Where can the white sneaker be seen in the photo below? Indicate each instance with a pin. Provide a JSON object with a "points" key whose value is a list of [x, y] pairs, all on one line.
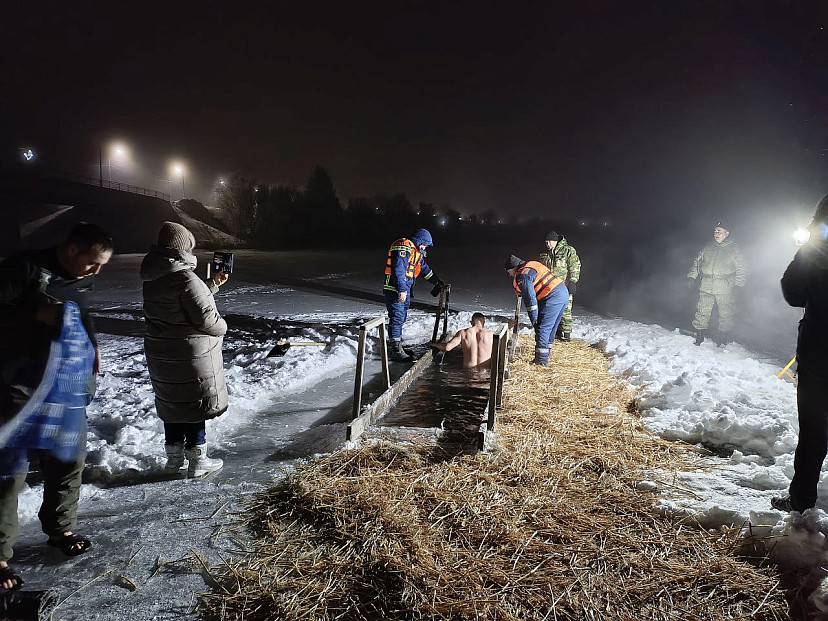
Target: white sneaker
{"points": [[200, 464], [175, 458]]}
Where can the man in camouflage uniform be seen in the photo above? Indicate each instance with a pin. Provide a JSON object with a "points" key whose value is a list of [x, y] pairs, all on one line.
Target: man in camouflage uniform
{"points": [[563, 260], [721, 266]]}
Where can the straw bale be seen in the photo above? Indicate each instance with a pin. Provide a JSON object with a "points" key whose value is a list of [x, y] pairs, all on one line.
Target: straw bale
{"points": [[549, 525]]}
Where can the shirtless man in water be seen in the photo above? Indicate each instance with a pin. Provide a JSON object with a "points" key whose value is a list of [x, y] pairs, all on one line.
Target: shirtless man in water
{"points": [[475, 342]]}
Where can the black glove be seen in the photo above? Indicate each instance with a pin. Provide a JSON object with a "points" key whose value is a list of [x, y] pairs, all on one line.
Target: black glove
{"points": [[572, 288], [438, 285], [691, 283]]}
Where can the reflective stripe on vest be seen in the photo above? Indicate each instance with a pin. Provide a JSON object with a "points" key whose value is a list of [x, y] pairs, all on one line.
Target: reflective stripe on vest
{"points": [[412, 270], [545, 280]]}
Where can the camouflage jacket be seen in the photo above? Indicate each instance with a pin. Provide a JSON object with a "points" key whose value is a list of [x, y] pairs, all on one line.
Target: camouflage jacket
{"points": [[721, 266], [563, 261]]}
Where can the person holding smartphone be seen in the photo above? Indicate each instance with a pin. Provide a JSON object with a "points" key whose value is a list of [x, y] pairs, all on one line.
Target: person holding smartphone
{"points": [[184, 335]]}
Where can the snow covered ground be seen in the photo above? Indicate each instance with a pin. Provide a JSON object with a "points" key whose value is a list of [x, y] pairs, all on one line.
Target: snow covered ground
{"points": [[150, 533]]}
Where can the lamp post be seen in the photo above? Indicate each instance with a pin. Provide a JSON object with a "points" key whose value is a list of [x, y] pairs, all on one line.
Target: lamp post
{"points": [[177, 168]]}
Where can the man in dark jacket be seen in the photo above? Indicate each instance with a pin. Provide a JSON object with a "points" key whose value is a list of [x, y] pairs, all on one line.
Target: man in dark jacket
{"points": [[805, 285], [33, 286], [405, 262]]}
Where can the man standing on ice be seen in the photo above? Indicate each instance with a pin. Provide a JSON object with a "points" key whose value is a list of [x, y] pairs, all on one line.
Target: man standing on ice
{"points": [[805, 285], [33, 288], [563, 260], [405, 262], [545, 297], [721, 266]]}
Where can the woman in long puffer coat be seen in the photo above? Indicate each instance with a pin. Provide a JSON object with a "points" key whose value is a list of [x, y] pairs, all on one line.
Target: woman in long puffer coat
{"points": [[184, 334]]}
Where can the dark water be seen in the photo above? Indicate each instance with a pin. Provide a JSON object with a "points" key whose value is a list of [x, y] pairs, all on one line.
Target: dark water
{"points": [[445, 396]]}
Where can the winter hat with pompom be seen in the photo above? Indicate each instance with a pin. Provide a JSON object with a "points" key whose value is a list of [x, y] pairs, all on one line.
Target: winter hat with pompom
{"points": [[176, 236]]}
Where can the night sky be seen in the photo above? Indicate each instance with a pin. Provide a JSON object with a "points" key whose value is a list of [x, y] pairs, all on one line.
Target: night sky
{"points": [[602, 111]]}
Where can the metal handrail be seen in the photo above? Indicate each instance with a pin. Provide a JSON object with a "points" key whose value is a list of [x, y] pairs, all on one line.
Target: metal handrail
{"points": [[113, 185], [442, 312], [360, 368]]}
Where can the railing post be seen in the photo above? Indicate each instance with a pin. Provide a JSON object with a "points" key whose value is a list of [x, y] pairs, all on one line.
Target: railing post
{"points": [[501, 376], [359, 372], [384, 355], [494, 372]]}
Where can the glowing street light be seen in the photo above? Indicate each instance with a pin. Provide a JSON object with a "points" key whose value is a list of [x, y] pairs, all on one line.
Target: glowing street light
{"points": [[28, 155], [119, 151], [801, 236], [177, 168]]}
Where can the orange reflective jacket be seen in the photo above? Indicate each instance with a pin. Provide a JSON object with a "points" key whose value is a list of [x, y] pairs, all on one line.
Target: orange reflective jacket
{"points": [[545, 281]]}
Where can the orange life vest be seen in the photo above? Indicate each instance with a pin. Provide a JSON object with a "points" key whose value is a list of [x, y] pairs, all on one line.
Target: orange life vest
{"points": [[412, 270], [545, 280]]}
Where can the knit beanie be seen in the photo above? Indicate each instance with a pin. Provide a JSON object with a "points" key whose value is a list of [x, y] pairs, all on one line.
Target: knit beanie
{"points": [[176, 236], [722, 225], [552, 236], [513, 261]]}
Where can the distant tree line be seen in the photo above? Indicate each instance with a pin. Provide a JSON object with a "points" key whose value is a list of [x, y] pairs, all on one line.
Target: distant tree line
{"points": [[266, 215]]}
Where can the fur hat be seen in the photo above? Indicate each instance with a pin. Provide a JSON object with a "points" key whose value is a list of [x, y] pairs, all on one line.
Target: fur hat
{"points": [[176, 236], [513, 261]]}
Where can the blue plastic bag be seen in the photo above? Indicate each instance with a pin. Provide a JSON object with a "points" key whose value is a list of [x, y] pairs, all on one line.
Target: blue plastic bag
{"points": [[54, 417]]}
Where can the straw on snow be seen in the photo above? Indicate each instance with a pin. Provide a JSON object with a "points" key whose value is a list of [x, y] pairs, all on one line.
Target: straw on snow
{"points": [[550, 525]]}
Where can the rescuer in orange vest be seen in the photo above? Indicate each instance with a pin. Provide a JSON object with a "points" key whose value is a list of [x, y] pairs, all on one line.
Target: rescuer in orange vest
{"points": [[405, 262], [545, 297]]}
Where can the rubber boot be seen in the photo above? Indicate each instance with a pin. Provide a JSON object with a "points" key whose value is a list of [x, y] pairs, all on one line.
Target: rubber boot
{"points": [[541, 357], [566, 336], [175, 457], [199, 464], [700, 334], [397, 353]]}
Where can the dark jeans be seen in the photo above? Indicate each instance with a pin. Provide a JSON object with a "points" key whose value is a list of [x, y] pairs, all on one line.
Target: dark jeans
{"points": [[59, 511], [191, 434], [397, 312], [812, 405]]}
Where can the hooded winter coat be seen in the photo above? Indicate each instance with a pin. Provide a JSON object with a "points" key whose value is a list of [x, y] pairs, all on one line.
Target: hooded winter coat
{"points": [[183, 339], [721, 267]]}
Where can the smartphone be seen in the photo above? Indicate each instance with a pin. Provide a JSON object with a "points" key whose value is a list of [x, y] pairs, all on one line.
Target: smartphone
{"points": [[223, 262]]}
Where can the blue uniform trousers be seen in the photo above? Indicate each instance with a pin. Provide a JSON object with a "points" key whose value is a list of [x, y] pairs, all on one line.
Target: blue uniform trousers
{"points": [[550, 312], [397, 312]]}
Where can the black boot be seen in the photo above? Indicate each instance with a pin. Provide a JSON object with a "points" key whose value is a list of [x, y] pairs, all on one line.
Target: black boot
{"points": [[397, 353], [565, 336], [700, 334]]}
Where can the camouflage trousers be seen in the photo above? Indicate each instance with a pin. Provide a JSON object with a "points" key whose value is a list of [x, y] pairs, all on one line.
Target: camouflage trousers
{"points": [[566, 320], [726, 307]]}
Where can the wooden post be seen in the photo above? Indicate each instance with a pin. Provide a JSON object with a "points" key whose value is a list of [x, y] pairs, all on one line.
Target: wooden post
{"points": [[384, 355], [360, 364], [437, 318], [501, 376], [494, 372]]}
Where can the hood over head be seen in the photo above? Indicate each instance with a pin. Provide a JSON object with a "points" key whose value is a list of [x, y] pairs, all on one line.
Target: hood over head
{"points": [[160, 262]]}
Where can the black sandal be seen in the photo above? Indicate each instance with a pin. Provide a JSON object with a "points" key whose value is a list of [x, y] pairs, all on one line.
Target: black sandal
{"points": [[71, 545], [7, 573]]}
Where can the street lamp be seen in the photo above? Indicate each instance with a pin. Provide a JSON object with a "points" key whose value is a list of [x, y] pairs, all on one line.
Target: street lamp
{"points": [[178, 169], [120, 152], [28, 155]]}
